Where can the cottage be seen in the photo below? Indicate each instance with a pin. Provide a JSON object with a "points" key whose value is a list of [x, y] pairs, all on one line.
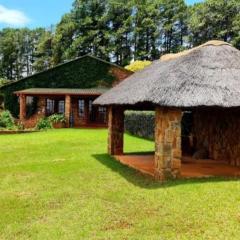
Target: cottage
{"points": [[204, 81], [68, 88]]}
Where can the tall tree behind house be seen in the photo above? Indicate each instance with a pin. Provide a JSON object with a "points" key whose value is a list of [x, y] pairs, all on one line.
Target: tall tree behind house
{"points": [[118, 31]]}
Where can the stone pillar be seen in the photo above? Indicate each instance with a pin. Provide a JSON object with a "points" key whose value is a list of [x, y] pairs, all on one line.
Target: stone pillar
{"points": [[167, 160], [22, 111], [67, 110], [116, 130]]}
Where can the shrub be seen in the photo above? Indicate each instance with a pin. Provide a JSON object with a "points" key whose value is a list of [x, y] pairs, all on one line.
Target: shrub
{"points": [[57, 118], [140, 124], [138, 65], [6, 120], [43, 124]]}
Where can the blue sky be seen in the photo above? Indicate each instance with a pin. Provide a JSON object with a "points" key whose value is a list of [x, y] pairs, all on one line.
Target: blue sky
{"points": [[36, 13]]}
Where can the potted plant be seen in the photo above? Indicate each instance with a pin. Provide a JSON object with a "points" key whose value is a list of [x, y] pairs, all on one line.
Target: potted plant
{"points": [[57, 120]]}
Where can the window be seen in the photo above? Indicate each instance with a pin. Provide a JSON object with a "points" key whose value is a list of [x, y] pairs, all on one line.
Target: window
{"points": [[31, 106], [102, 114], [61, 106], [90, 106], [29, 100], [81, 107], [50, 106]]}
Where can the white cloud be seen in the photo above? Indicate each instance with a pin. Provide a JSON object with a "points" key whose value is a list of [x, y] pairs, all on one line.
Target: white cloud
{"points": [[13, 17]]}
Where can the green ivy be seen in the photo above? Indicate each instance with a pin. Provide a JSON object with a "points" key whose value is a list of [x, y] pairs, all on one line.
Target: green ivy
{"points": [[85, 72], [44, 124]]}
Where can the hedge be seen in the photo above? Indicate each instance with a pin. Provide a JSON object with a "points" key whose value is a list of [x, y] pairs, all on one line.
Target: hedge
{"points": [[140, 123]]}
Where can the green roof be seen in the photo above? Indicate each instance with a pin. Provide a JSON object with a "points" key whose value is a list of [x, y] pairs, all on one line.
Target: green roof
{"points": [[65, 63], [62, 91]]}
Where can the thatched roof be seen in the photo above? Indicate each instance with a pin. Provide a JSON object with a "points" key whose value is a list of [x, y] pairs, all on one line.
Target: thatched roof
{"points": [[208, 75]]}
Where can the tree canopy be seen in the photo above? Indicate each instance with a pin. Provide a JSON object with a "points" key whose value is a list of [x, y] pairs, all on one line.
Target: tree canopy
{"points": [[119, 31]]}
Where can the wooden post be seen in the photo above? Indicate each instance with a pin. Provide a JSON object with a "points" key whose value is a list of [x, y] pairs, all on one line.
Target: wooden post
{"points": [[167, 161], [67, 110], [41, 106], [116, 130], [86, 111], [22, 112]]}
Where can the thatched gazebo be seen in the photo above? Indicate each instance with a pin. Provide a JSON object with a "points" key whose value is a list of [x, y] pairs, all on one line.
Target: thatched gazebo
{"points": [[204, 80]]}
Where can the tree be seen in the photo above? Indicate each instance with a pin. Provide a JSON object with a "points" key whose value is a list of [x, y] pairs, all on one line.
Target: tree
{"points": [[63, 38], [214, 19], [138, 65], [173, 25], [145, 29], [43, 52], [120, 28], [3, 81], [17, 51], [91, 33]]}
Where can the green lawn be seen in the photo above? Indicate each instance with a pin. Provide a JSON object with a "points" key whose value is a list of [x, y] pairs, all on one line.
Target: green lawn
{"points": [[61, 184]]}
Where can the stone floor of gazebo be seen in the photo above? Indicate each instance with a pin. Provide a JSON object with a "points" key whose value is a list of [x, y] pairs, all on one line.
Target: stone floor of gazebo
{"points": [[191, 168]]}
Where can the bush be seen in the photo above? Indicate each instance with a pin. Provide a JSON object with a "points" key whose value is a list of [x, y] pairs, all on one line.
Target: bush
{"points": [[138, 65], [43, 124], [57, 118], [7, 120], [140, 124]]}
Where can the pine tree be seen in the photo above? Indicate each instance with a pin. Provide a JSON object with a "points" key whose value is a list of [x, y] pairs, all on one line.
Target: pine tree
{"points": [[120, 25], [91, 34]]}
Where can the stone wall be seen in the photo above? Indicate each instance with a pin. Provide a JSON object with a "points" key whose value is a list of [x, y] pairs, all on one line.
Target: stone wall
{"points": [[115, 130], [167, 143], [218, 131]]}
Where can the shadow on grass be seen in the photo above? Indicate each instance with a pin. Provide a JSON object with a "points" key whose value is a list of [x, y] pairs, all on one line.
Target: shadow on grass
{"points": [[148, 182]]}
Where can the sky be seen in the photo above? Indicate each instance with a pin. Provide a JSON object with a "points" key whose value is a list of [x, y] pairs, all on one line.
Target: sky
{"points": [[36, 13]]}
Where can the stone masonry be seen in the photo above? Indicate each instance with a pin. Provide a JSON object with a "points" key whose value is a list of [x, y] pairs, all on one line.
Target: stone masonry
{"points": [[218, 130], [168, 152], [116, 130]]}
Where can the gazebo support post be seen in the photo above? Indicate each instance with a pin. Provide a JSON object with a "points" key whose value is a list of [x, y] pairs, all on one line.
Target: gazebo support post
{"points": [[167, 160], [116, 130], [67, 110], [22, 112]]}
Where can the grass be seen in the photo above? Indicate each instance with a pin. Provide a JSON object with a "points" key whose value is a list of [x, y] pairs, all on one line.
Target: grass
{"points": [[61, 184]]}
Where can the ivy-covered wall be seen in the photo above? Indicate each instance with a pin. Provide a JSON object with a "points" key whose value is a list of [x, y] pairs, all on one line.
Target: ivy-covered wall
{"points": [[85, 72]]}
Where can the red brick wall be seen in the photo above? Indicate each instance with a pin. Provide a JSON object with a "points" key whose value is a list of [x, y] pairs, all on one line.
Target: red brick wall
{"points": [[120, 74], [32, 121]]}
